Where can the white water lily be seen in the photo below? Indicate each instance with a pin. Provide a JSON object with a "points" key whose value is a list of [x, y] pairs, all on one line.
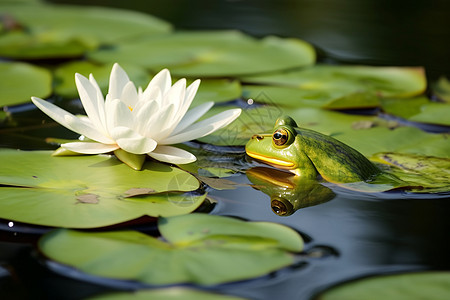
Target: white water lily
{"points": [[136, 121]]}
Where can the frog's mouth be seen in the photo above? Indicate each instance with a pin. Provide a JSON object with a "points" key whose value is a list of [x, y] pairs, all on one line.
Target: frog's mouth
{"points": [[272, 161]]}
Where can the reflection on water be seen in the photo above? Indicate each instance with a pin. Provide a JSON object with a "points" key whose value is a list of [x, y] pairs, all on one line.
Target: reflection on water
{"points": [[287, 192]]}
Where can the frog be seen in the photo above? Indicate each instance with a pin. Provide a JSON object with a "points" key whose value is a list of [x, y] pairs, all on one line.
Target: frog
{"points": [[310, 154]]}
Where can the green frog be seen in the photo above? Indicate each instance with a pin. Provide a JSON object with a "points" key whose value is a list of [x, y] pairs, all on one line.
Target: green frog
{"points": [[308, 153]]}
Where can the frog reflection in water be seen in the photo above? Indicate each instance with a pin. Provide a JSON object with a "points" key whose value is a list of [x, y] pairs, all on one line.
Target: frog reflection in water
{"points": [[308, 153], [288, 192]]}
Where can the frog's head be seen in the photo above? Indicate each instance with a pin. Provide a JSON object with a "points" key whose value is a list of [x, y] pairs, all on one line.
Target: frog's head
{"points": [[277, 148]]}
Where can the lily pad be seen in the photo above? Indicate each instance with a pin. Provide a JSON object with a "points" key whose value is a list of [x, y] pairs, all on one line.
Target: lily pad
{"points": [[173, 293], [88, 191], [217, 90], [50, 31], [19, 81], [419, 109], [424, 285], [196, 248], [65, 76], [380, 81], [424, 173], [296, 98], [442, 89], [211, 53]]}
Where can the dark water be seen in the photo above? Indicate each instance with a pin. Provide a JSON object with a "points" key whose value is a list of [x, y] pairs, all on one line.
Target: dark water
{"points": [[354, 234]]}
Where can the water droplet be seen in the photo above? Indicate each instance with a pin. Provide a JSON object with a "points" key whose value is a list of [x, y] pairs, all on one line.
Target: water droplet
{"points": [[250, 101], [10, 224]]}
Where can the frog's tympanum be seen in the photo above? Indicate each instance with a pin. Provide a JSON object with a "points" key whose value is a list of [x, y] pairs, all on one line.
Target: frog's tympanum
{"points": [[308, 153], [288, 192]]}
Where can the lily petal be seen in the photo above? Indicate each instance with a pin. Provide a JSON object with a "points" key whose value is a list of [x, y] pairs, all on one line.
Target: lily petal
{"points": [[53, 111], [172, 155], [89, 99], [100, 102], [129, 95], [89, 147], [192, 115], [84, 128], [117, 114], [131, 141], [204, 127], [117, 81], [162, 80]]}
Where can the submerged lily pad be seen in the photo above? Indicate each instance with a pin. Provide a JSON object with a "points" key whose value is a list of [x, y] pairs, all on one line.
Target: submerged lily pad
{"points": [[88, 191], [211, 53], [379, 81], [19, 81], [49, 31], [173, 293], [424, 285], [196, 248]]}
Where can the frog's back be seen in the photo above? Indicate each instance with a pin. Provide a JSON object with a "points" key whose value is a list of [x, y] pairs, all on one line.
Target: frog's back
{"points": [[334, 160]]}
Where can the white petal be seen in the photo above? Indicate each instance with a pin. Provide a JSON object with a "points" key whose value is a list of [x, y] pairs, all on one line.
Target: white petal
{"points": [[100, 101], [172, 155], [146, 116], [117, 114], [132, 141], [53, 112], [161, 80], [89, 99], [89, 147], [117, 81], [157, 128], [192, 115], [204, 127], [129, 95], [88, 131]]}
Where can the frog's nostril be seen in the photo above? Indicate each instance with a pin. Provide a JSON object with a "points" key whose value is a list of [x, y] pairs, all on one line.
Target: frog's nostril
{"points": [[257, 136]]}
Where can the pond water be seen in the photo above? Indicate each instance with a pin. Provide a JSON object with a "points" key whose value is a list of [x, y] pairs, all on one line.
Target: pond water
{"points": [[351, 236]]}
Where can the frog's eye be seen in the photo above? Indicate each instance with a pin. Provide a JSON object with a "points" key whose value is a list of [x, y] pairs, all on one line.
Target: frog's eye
{"points": [[280, 137]]}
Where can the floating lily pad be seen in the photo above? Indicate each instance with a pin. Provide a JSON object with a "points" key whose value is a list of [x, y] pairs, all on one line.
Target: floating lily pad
{"points": [[442, 89], [380, 81], [424, 173], [401, 140], [174, 293], [211, 53], [88, 191], [419, 109], [20, 81], [424, 285], [65, 76], [47, 31], [296, 98], [196, 248], [217, 90]]}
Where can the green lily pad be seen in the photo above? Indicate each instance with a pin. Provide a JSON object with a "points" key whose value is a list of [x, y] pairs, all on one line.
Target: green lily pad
{"points": [[401, 140], [380, 81], [424, 173], [442, 89], [50, 31], [211, 53], [424, 285], [88, 191], [19, 81], [196, 248], [419, 109], [217, 90], [65, 76], [296, 98], [173, 293]]}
